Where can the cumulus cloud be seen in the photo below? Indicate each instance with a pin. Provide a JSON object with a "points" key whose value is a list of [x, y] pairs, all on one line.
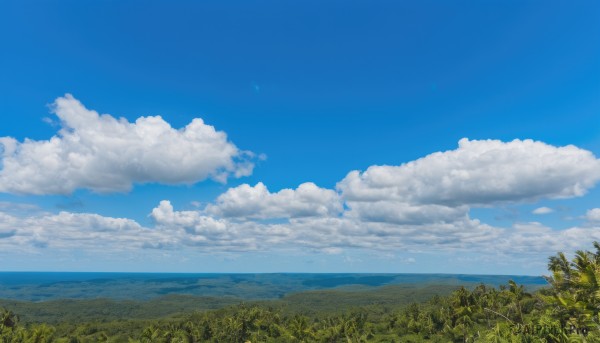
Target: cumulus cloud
{"points": [[324, 233], [106, 154], [67, 231], [422, 205], [441, 187], [399, 212], [7, 206], [217, 234], [245, 201], [192, 221], [593, 215], [535, 238], [481, 172], [542, 210], [6, 229], [179, 230]]}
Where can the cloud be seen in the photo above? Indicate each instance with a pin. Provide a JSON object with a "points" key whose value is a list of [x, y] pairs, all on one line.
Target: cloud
{"points": [[423, 204], [385, 209], [6, 230], [326, 234], [217, 234], [13, 207], [593, 215], [193, 221], [180, 230], [257, 202], [479, 173], [398, 212], [77, 231], [542, 210], [107, 154], [535, 238], [443, 186]]}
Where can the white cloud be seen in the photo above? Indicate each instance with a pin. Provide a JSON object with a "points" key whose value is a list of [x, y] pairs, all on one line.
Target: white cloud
{"points": [[246, 201], [593, 215], [441, 187], [542, 210], [106, 154], [192, 221], [324, 234], [535, 238], [482, 172], [78, 231], [197, 229], [398, 212], [333, 251], [7, 206], [180, 230], [6, 226], [385, 208], [423, 204]]}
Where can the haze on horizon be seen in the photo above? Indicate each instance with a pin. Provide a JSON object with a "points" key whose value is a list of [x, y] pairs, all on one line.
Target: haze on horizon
{"points": [[247, 136]]}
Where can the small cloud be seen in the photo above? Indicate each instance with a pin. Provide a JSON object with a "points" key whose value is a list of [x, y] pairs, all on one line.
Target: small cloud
{"points": [[542, 210], [333, 251], [352, 260], [593, 215], [196, 204], [50, 122]]}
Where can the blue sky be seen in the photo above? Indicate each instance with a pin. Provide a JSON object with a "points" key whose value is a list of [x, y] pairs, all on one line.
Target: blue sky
{"points": [[329, 139]]}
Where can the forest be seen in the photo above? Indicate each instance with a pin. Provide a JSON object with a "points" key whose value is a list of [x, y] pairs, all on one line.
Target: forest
{"points": [[564, 311]]}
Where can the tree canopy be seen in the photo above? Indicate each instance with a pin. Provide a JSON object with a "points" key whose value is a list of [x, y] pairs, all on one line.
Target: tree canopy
{"points": [[565, 311]]}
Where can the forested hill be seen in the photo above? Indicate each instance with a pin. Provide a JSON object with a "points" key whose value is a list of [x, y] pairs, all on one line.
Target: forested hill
{"points": [[565, 311], [142, 286]]}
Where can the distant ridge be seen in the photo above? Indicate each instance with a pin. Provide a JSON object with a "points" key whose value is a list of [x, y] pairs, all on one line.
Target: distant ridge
{"points": [[41, 286]]}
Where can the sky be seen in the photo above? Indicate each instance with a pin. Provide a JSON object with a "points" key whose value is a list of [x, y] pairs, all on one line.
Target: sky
{"points": [[298, 136]]}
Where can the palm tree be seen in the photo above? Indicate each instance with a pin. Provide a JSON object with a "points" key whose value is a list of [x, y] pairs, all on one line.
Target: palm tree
{"points": [[41, 334], [151, 334], [517, 295], [299, 328], [8, 319], [575, 293]]}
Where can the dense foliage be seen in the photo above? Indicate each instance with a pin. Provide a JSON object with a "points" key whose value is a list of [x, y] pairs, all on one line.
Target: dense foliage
{"points": [[567, 311]]}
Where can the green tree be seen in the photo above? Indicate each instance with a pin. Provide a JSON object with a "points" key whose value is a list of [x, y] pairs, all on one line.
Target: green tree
{"points": [[574, 298]]}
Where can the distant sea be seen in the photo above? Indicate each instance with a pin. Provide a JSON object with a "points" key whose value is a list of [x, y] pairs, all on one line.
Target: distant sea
{"points": [[40, 286]]}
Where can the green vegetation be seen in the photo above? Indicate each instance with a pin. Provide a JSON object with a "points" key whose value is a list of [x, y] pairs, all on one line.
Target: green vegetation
{"points": [[140, 286], [566, 311]]}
